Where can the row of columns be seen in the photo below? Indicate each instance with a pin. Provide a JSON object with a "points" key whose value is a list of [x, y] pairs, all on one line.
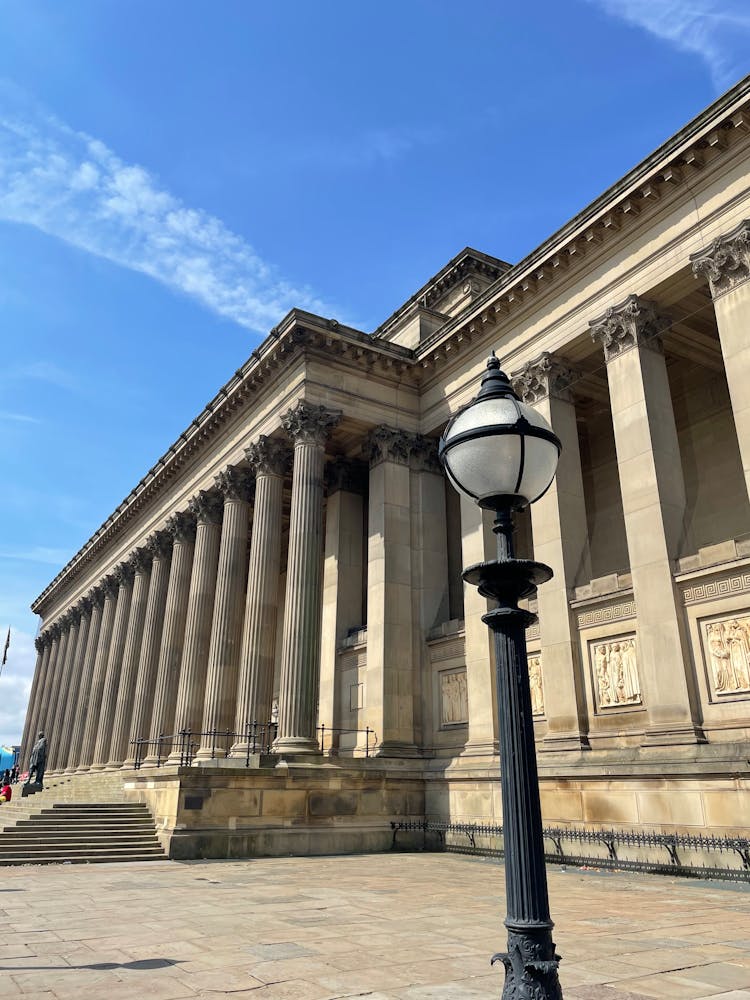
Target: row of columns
{"points": [[181, 636], [654, 508]]}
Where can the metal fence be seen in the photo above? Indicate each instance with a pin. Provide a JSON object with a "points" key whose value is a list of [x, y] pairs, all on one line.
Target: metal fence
{"points": [[692, 855], [256, 738]]}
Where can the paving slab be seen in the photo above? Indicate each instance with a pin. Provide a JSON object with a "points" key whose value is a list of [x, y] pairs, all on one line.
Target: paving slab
{"points": [[384, 927]]}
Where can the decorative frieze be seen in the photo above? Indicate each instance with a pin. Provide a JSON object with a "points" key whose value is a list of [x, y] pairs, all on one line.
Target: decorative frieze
{"points": [[310, 424], [635, 322], [536, 684], [454, 698], [726, 261], [269, 457], [615, 667], [606, 614], [728, 645], [738, 583], [547, 376]]}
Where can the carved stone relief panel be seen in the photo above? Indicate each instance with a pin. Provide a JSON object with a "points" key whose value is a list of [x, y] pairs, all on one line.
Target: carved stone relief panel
{"points": [[727, 645], [615, 672], [454, 699], [536, 684]]}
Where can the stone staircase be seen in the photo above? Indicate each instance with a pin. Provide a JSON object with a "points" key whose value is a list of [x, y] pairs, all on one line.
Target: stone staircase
{"points": [[79, 819]]}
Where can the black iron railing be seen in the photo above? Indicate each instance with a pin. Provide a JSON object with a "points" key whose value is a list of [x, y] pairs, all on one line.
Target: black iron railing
{"points": [[684, 854], [256, 738]]}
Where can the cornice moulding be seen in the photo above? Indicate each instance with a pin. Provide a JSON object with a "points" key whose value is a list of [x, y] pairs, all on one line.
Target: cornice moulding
{"points": [[297, 333], [703, 139]]}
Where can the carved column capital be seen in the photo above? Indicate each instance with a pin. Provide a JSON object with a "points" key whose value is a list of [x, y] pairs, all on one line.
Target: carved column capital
{"points": [[75, 613], [345, 474], [40, 643], [726, 261], [207, 506], [159, 544], [87, 604], [181, 526], [547, 376], [66, 619], [424, 454], [110, 585], [269, 457], [96, 595], [388, 444], [235, 483], [55, 631], [140, 560], [124, 573], [309, 424], [635, 322]]}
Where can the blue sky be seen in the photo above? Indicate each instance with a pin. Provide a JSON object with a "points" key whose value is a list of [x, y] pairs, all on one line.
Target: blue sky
{"points": [[175, 176]]}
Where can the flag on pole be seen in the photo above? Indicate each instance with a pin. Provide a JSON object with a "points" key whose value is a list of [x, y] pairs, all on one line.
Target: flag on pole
{"points": [[5, 651]]}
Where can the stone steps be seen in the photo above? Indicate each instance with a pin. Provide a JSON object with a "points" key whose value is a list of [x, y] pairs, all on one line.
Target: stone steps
{"points": [[82, 833]]}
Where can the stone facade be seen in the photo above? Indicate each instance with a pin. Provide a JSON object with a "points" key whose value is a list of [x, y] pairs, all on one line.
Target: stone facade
{"points": [[297, 552]]}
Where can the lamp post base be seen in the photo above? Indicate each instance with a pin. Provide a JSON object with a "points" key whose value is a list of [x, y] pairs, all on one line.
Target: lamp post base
{"points": [[530, 964]]}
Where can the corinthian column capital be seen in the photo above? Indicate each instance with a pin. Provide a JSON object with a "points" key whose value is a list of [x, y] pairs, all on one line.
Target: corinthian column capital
{"points": [[86, 604], [309, 424], [547, 376], [207, 506], [346, 474], [235, 483], [123, 574], [388, 444], [140, 560], [40, 643], [110, 585], [726, 261], [159, 544], [635, 322], [269, 457], [181, 526]]}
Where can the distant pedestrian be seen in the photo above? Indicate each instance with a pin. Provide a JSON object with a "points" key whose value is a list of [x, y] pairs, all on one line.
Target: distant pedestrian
{"points": [[38, 761], [14, 775], [6, 792]]}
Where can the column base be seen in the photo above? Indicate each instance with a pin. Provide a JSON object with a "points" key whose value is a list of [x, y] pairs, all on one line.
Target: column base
{"points": [[396, 748], [563, 742], [112, 765], [669, 736], [296, 745]]}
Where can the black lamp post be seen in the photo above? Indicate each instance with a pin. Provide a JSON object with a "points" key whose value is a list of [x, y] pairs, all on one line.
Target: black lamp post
{"points": [[503, 455]]}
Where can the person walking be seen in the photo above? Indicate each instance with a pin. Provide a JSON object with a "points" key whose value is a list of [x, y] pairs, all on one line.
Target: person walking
{"points": [[38, 761]]}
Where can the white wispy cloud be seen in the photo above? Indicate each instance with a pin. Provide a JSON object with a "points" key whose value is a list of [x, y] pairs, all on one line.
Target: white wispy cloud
{"points": [[72, 186], [38, 554], [718, 31], [18, 418]]}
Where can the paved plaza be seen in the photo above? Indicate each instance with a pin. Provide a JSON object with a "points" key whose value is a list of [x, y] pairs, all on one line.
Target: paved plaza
{"points": [[384, 927]]}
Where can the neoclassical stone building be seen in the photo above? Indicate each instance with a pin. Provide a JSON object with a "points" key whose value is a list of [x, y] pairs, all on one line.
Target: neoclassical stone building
{"points": [[296, 554]]}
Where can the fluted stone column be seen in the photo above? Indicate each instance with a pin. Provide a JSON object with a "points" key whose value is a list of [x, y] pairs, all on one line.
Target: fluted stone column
{"points": [[110, 588], [125, 576], [478, 544], [83, 702], [208, 508], [726, 265], [653, 500], [48, 723], [270, 460], [43, 644], [308, 426], [236, 485], [56, 632], [182, 528], [159, 546], [560, 530], [73, 685], [389, 683], [140, 562], [56, 726]]}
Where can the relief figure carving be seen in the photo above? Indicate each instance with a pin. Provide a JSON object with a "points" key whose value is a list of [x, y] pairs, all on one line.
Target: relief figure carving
{"points": [[535, 685], [454, 700], [729, 649], [616, 673]]}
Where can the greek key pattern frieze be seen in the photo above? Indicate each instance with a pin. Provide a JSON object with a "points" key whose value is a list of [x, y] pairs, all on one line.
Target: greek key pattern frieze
{"points": [[610, 613], [726, 587]]}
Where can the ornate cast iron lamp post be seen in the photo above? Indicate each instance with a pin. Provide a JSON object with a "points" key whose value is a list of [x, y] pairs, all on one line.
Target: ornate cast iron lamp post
{"points": [[503, 455]]}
